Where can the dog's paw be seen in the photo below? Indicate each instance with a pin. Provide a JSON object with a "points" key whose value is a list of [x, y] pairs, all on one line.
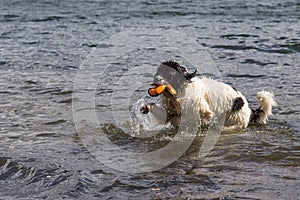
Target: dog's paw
{"points": [[145, 109]]}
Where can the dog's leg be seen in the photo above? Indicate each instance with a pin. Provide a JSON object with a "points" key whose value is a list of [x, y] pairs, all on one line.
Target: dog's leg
{"points": [[205, 113]]}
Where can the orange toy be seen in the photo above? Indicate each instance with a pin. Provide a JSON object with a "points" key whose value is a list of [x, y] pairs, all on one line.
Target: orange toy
{"points": [[154, 92]]}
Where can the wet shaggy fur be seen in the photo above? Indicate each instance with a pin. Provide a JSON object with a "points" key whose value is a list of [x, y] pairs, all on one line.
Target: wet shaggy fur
{"points": [[212, 99]]}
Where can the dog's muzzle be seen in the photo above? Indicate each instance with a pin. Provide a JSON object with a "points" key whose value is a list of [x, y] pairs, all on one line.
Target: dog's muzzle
{"points": [[160, 86]]}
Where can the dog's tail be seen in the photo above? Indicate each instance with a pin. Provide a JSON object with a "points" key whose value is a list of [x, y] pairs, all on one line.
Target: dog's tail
{"points": [[266, 102]]}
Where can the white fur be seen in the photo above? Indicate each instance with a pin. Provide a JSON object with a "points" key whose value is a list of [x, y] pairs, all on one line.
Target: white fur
{"points": [[266, 102], [214, 100]]}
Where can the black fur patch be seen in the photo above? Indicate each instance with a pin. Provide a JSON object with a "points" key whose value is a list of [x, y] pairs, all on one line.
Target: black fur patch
{"points": [[180, 69], [237, 104]]}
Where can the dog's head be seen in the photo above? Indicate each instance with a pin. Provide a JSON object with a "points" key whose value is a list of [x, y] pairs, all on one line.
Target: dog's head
{"points": [[170, 80]]}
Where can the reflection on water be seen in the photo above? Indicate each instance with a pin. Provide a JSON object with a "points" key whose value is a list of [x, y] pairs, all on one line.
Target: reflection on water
{"points": [[42, 44]]}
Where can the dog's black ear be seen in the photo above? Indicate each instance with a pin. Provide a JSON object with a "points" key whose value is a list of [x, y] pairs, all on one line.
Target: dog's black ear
{"points": [[189, 76], [182, 70]]}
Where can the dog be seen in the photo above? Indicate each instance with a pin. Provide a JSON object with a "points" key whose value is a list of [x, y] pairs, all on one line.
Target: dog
{"points": [[210, 98]]}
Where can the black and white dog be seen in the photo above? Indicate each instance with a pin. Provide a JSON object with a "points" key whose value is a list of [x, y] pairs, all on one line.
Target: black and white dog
{"points": [[213, 99]]}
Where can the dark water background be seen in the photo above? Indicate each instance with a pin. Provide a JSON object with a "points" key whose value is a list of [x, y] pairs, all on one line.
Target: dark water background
{"points": [[255, 44]]}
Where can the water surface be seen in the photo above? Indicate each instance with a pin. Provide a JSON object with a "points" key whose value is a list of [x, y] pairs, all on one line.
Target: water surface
{"points": [[42, 45]]}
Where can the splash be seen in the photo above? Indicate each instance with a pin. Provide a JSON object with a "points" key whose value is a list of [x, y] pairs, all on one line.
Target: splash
{"points": [[146, 125]]}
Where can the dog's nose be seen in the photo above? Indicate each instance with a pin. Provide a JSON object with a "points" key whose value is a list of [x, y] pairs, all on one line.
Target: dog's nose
{"points": [[158, 80]]}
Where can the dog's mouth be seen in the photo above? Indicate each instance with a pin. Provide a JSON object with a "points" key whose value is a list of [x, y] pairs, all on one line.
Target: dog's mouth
{"points": [[158, 89]]}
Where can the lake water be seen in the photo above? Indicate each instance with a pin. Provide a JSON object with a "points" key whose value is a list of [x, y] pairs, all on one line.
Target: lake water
{"points": [[43, 44]]}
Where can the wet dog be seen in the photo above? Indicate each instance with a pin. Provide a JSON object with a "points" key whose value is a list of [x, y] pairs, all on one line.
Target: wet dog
{"points": [[212, 99]]}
